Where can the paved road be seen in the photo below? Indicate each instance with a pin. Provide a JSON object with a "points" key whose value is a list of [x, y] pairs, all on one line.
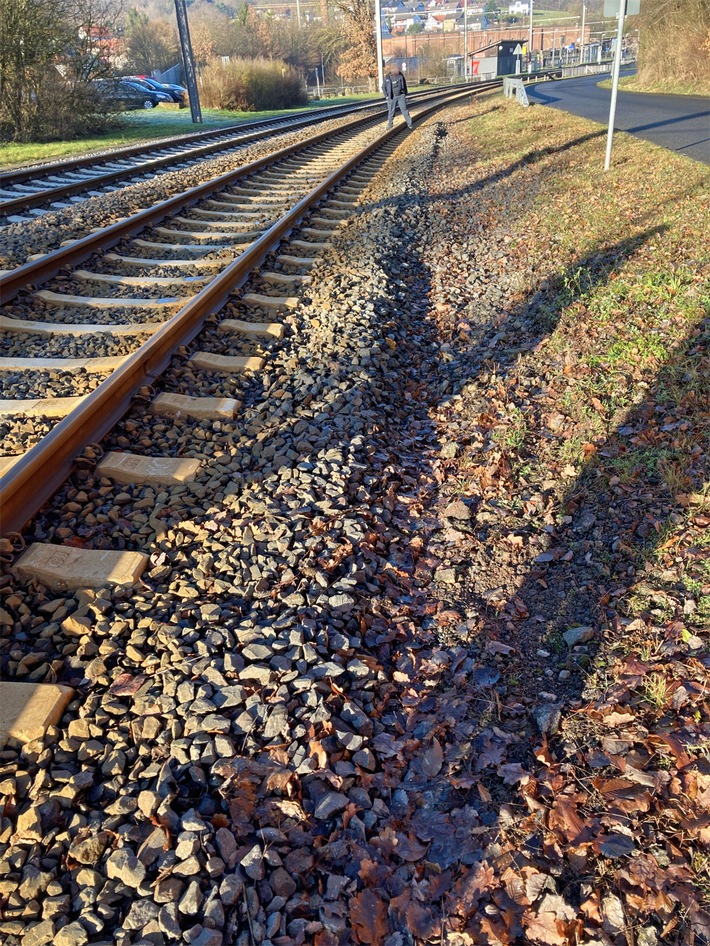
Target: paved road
{"points": [[678, 122]]}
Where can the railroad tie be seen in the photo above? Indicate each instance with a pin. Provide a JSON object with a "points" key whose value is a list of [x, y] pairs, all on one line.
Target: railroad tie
{"points": [[53, 407], [179, 235], [306, 245], [284, 279], [7, 462], [100, 365], [87, 276], [225, 364], [269, 302], [302, 262], [225, 214], [27, 710], [327, 224], [97, 302], [152, 471], [200, 408], [177, 263], [196, 248], [224, 200], [238, 326], [213, 225], [254, 193], [253, 196], [30, 327], [63, 568], [316, 232]]}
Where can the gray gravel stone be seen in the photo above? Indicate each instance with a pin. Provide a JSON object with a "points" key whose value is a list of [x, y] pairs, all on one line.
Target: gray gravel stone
{"points": [[73, 934], [39, 934], [140, 914], [123, 865], [329, 805], [578, 635]]}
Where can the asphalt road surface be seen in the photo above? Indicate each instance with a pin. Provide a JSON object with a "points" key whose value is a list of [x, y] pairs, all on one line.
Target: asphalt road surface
{"points": [[679, 123]]}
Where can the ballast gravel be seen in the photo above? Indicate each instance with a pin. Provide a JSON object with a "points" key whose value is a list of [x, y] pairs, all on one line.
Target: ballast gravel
{"points": [[45, 233], [225, 760], [94, 345], [48, 383]]}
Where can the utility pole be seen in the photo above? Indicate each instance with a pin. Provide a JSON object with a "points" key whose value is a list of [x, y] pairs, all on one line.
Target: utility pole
{"points": [[378, 41], [581, 41], [188, 61], [615, 83], [465, 40], [530, 37]]}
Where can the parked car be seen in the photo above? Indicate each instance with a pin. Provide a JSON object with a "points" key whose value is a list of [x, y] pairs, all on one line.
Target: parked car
{"points": [[176, 92], [154, 96], [127, 95]]}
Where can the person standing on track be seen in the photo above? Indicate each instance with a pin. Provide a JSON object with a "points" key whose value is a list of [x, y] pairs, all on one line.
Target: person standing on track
{"points": [[394, 89]]}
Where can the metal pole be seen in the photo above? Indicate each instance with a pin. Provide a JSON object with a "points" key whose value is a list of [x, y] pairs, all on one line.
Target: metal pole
{"points": [[530, 37], [188, 61], [615, 83], [465, 40], [581, 42], [378, 42]]}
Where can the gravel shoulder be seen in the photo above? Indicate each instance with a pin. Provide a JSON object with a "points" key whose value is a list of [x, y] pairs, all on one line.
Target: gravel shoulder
{"points": [[422, 655], [48, 231]]}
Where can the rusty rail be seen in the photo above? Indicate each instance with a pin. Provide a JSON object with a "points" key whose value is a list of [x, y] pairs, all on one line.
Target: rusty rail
{"points": [[43, 469]]}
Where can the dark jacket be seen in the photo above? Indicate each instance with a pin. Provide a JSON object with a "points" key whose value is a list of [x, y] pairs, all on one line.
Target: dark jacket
{"points": [[387, 86]]}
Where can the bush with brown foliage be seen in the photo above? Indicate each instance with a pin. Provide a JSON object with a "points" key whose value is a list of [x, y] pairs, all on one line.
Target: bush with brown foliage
{"points": [[674, 41], [250, 85]]}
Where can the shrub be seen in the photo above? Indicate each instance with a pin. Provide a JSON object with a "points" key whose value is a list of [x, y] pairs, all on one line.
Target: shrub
{"points": [[49, 52], [685, 57], [54, 108], [250, 85]]}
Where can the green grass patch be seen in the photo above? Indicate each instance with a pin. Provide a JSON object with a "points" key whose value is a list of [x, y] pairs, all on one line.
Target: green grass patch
{"points": [[149, 125]]}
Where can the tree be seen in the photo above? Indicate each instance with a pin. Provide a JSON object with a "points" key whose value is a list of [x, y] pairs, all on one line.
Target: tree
{"points": [[210, 30], [331, 43], [296, 45], [250, 35], [49, 52], [151, 45], [360, 57]]}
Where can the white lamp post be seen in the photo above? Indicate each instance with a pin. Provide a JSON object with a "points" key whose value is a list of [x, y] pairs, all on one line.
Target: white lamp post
{"points": [[465, 40], [530, 36], [615, 83], [378, 43], [581, 39]]}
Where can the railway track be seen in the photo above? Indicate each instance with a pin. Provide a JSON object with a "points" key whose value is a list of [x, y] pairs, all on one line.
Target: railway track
{"points": [[29, 192], [143, 288], [157, 638]]}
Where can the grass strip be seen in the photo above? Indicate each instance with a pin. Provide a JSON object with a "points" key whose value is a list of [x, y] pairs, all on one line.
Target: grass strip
{"points": [[579, 407], [144, 126]]}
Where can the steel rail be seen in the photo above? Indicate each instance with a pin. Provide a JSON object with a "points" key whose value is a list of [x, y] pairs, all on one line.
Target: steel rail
{"points": [[108, 177], [33, 479], [39, 270], [20, 175], [41, 197]]}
